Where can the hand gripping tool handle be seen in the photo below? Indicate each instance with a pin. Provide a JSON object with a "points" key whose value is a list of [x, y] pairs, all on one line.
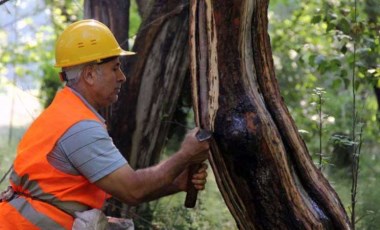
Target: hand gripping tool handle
{"points": [[192, 192]]}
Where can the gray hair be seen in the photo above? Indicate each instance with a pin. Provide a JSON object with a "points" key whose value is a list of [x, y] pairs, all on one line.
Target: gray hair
{"points": [[73, 73]]}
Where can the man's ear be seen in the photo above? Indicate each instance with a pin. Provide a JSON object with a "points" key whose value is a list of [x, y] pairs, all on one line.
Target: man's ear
{"points": [[89, 74]]}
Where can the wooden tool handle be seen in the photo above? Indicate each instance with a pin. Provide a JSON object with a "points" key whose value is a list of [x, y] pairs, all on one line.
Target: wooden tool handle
{"points": [[192, 192]]}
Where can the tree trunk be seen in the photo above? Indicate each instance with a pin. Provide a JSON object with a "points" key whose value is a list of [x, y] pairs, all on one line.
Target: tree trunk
{"points": [[144, 7], [262, 165]]}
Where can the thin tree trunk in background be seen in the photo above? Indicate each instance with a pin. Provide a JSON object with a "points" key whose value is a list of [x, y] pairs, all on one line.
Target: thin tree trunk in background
{"points": [[144, 7], [262, 166]]}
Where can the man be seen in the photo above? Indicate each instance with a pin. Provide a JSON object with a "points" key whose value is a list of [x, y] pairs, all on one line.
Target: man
{"points": [[66, 162]]}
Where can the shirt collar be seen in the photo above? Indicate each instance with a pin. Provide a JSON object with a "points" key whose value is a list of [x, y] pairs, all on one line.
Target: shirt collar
{"points": [[88, 105]]}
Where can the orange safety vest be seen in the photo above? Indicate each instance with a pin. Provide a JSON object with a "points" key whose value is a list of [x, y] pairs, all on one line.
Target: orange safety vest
{"points": [[47, 197]]}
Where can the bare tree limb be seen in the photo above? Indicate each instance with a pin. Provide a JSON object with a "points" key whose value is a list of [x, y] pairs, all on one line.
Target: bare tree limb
{"points": [[3, 1], [6, 174]]}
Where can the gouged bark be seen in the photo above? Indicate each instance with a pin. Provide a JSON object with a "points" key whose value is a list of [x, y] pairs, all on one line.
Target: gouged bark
{"points": [[262, 166], [202, 55]]}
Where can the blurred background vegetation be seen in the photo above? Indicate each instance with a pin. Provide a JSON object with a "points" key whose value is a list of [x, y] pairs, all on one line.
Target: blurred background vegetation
{"points": [[326, 55]]}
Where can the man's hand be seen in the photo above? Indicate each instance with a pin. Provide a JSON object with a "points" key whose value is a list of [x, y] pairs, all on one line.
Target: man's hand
{"points": [[196, 151], [199, 179]]}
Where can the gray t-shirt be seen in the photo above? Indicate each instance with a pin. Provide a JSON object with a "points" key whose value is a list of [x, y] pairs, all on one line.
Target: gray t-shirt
{"points": [[86, 149]]}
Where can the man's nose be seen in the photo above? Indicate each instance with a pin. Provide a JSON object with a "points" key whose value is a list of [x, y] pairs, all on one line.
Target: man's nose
{"points": [[122, 77]]}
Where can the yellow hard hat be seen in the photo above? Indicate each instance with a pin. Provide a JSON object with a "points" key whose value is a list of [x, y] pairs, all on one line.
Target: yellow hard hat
{"points": [[86, 41]]}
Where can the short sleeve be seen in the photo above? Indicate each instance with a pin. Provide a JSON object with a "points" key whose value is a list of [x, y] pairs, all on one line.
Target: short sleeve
{"points": [[90, 150]]}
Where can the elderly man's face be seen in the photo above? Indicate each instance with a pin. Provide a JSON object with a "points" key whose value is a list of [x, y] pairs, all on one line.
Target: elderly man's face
{"points": [[108, 83]]}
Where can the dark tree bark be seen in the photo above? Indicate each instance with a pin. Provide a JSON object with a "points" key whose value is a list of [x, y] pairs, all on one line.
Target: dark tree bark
{"points": [[262, 165], [144, 7]]}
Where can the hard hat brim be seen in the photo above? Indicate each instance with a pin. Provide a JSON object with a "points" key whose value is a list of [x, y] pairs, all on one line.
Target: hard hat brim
{"points": [[121, 53], [126, 53]]}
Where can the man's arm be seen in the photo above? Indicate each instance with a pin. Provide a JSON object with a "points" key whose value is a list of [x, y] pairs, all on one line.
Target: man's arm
{"points": [[134, 187]]}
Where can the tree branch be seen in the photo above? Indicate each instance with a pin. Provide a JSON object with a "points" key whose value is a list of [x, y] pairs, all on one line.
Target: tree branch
{"points": [[3, 1], [6, 174]]}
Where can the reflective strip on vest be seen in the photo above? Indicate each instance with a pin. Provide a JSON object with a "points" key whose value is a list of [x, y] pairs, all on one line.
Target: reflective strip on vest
{"points": [[37, 218], [35, 192]]}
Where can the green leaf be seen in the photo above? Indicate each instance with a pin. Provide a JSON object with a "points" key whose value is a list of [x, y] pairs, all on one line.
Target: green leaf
{"points": [[330, 26], [343, 73], [316, 19], [335, 64], [336, 83], [344, 25], [312, 59]]}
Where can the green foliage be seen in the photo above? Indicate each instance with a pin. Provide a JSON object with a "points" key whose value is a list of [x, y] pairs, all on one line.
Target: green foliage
{"points": [[50, 83], [134, 19], [317, 45], [8, 150], [321, 55], [62, 14]]}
